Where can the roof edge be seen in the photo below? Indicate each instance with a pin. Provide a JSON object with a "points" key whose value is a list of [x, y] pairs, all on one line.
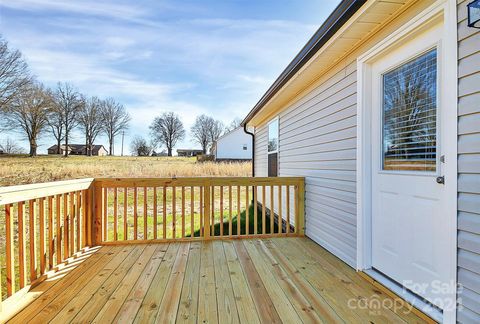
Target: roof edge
{"points": [[342, 13]]}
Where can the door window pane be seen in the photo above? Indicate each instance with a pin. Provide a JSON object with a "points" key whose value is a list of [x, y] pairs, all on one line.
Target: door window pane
{"points": [[410, 115]]}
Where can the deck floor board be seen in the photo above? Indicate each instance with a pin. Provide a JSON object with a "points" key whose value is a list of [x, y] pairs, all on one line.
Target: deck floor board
{"points": [[248, 281]]}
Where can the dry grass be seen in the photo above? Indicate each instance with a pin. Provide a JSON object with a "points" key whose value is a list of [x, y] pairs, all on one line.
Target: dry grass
{"points": [[24, 170]]}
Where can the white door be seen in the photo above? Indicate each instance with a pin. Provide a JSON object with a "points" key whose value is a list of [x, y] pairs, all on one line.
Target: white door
{"points": [[408, 218]]}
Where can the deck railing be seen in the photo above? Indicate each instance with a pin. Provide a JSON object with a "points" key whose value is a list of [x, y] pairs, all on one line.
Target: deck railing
{"points": [[45, 225]]}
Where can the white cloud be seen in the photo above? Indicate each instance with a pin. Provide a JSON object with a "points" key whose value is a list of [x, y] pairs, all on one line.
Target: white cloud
{"points": [[85, 7]]}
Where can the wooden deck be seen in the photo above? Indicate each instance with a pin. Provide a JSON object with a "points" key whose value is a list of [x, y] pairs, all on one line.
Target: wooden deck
{"points": [[290, 280]]}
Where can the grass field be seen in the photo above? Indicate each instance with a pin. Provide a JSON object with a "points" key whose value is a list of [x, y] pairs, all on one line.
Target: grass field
{"points": [[24, 170]]}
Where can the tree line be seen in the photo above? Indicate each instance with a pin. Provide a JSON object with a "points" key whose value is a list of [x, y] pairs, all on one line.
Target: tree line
{"points": [[167, 130], [32, 109]]}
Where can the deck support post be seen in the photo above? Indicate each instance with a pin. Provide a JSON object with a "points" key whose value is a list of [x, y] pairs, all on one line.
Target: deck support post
{"points": [[97, 214], [300, 219]]}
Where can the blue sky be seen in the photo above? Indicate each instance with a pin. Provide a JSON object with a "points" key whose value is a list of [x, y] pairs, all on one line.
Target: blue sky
{"points": [[191, 57]]}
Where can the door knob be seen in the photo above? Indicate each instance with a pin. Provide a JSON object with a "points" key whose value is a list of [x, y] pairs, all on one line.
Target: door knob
{"points": [[441, 180]]}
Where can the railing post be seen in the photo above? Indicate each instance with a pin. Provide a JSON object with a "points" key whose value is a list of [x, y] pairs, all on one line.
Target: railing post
{"points": [[300, 217], [97, 215], [206, 210]]}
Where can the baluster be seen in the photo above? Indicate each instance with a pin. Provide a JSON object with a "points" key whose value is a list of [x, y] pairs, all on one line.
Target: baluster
{"points": [[115, 214], [58, 238], [77, 220], [201, 211], [83, 221], [10, 254], [230, 211], [155, 220], [105, 214], [164, 206], [174, 211], [125, 213], [72, 224], [206, 212], [32, 231], [288, 209], [247, 211], [21, 245], [51, 240], [221, 210], [183, 211], [212, 214], [255, 212], [272, 212], [41, 216], [145, 213], [65, 227], [135, 215], [264, 220], [238, 211], [192, 211], [280, 218]]}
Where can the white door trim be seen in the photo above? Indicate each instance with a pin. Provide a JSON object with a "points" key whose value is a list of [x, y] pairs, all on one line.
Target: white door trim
{"points": [[445, 10]]}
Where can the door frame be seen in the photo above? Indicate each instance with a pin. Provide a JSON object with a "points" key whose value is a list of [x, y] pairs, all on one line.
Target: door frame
{"points": [[445, 10]]}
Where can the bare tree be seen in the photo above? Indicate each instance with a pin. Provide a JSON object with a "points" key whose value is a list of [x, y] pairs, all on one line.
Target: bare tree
{"points": [[216, 130], [167, 130], [14, 75], [55, 121], [68, 102], [206, 130], [90, 121], [201, 131], [115, 119], [28, 113], [9, 146], [140, 147], [233, 124]]}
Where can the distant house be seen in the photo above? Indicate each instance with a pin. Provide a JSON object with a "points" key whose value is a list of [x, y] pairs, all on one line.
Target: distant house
{"points": [[189, 152], [235, 145], [163, 153], [78, 149]]}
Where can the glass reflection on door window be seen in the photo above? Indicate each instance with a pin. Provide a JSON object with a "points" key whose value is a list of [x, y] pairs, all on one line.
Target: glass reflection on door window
{"points": [[410, 115]]}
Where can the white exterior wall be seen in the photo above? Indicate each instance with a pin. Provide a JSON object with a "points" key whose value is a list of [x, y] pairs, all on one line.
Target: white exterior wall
{"points": [[468, 169], [230, 146], [318, 141]]}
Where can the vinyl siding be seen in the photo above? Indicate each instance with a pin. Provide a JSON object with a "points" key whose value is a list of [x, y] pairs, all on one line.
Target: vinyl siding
{"points": [[468, 169], [318, 141]]}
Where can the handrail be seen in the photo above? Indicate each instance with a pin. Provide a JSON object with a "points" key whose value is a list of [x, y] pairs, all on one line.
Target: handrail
{"points": [[14, 194], [48, 223]]}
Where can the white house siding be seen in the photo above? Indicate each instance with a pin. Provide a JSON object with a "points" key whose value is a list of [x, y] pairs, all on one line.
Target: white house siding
{"points": [[260, 151], [230, 146], [317, 141], [468, 169]]}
